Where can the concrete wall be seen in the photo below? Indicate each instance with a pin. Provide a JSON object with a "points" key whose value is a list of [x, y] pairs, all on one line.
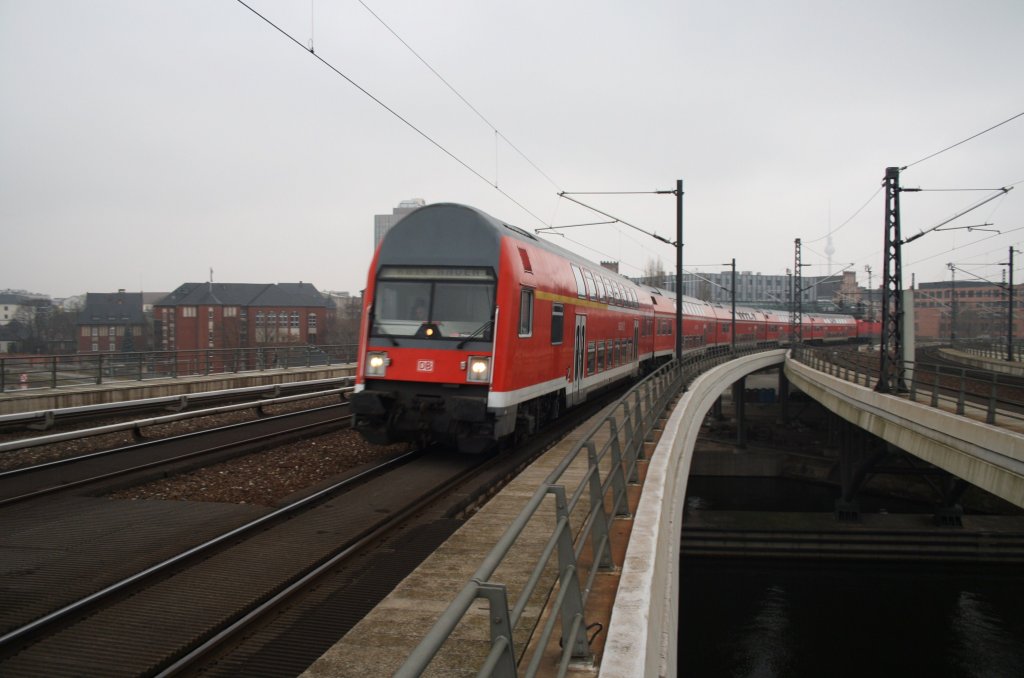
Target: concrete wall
{"points": [[984, 455], [644, 623]]}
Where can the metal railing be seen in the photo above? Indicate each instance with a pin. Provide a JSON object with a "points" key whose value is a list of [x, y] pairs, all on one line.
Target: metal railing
{"points": [[990, 349], [55, 371], [962, 388], [568, 561]]}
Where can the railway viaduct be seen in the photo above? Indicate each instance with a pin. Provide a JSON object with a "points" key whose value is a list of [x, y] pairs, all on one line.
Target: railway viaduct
{"points": [[644, 620]]}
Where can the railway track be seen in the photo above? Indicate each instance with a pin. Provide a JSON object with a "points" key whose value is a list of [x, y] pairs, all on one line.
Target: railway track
{"points": [[146, 460], [63, 418], [170, 616]]}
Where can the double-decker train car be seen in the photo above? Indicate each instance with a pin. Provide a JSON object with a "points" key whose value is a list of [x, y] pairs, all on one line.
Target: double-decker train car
{"points": [[474, 330]]}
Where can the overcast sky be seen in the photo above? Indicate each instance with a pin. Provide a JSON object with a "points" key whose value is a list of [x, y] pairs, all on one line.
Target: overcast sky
{"points": [[143, 143]]}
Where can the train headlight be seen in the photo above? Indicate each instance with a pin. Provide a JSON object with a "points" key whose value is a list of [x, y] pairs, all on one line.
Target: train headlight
{"points": [[479, 369], [377, 364]]}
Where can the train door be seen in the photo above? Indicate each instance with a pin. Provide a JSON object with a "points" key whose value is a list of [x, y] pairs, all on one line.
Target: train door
{"points": [[579, 357], [636, 338]]}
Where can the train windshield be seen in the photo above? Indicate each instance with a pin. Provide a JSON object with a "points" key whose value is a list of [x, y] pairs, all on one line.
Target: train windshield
{"points": [[434, 303]]}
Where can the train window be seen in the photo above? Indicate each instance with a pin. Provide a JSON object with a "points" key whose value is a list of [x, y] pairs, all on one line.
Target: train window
{"points": [[581, 288], [591, 360], [557, 323], [599, 284], [588, 278], [526, 312], [600, 356], [632, 296]]}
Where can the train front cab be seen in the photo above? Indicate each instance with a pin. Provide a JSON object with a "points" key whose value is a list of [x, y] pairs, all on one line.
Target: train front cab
{"points": [[427, 338]]}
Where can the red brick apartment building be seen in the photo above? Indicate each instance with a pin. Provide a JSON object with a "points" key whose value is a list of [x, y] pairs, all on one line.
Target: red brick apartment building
{"points": [[980, 308], [112, 322], [241, 315]]}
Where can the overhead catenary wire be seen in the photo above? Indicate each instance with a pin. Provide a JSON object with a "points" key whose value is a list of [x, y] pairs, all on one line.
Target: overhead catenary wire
{"points": [[959, 247], [851, 218], [973, 136], [390, 110], [497, 132]]}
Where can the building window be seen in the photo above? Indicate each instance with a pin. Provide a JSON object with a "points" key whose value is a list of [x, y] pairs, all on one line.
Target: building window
{"points": [[311, 321], [188, 311], [557, 323], [295, 319], [230, 311], [526, 313]]}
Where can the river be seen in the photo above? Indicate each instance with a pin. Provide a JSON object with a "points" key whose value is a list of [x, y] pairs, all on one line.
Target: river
{"points": [[803, 619]]}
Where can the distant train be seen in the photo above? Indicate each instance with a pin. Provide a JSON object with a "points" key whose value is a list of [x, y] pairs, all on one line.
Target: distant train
{"points": [[474, 330]]}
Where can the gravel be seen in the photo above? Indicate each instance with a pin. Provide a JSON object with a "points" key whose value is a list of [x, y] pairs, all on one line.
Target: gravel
{"points": [[37, 455], [264, 478], [267, 478]]}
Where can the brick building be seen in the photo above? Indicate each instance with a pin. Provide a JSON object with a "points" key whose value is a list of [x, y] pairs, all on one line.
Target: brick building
{"points": [[112, 322], [980, 309], [241, 315]]}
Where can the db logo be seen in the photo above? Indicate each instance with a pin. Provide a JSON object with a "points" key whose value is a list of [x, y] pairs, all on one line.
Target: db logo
{"points": [[424, 365]]}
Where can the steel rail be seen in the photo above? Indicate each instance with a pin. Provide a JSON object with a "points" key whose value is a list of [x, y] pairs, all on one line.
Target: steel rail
{"points": [[65, 485], [83, 603], [48, 417], [137, 424], [639, 410], [210, 645]]}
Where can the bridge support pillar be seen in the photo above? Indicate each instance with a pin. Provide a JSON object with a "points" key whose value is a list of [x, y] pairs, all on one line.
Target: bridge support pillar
{"points": [[858, 454], [784, 393], [716, 409], [740, 411]]}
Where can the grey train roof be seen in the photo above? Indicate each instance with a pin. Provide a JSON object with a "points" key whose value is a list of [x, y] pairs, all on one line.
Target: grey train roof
{"points": [[477, 241]]}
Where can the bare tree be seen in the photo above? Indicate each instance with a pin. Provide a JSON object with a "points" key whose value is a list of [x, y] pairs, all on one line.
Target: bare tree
{"points": [[654, 272]]}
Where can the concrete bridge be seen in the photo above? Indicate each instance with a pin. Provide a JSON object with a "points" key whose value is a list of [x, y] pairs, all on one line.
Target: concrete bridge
{"points": [[635, 596], [645, 615]]}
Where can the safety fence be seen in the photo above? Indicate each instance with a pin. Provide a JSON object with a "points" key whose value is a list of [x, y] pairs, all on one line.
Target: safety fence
{"points": [[55, 371], [991, 349], [963, 388], [587, 489]]}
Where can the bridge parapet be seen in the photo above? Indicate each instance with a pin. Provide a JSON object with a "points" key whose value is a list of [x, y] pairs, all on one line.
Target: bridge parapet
{"points": [[993, 396], [644, 622], [984, 455]]}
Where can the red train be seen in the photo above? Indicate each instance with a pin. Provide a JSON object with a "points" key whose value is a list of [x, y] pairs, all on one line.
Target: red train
{"points": [[473, 330]]}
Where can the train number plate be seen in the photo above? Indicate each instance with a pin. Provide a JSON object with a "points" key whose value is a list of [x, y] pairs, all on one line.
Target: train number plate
{"points": [[424, 365]]}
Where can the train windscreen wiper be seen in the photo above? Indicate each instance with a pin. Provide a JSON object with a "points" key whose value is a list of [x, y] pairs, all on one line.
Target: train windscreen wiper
{"points": [[475, 332]]}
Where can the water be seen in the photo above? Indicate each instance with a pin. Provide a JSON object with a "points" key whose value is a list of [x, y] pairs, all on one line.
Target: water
{"points": [[797, 619]]}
